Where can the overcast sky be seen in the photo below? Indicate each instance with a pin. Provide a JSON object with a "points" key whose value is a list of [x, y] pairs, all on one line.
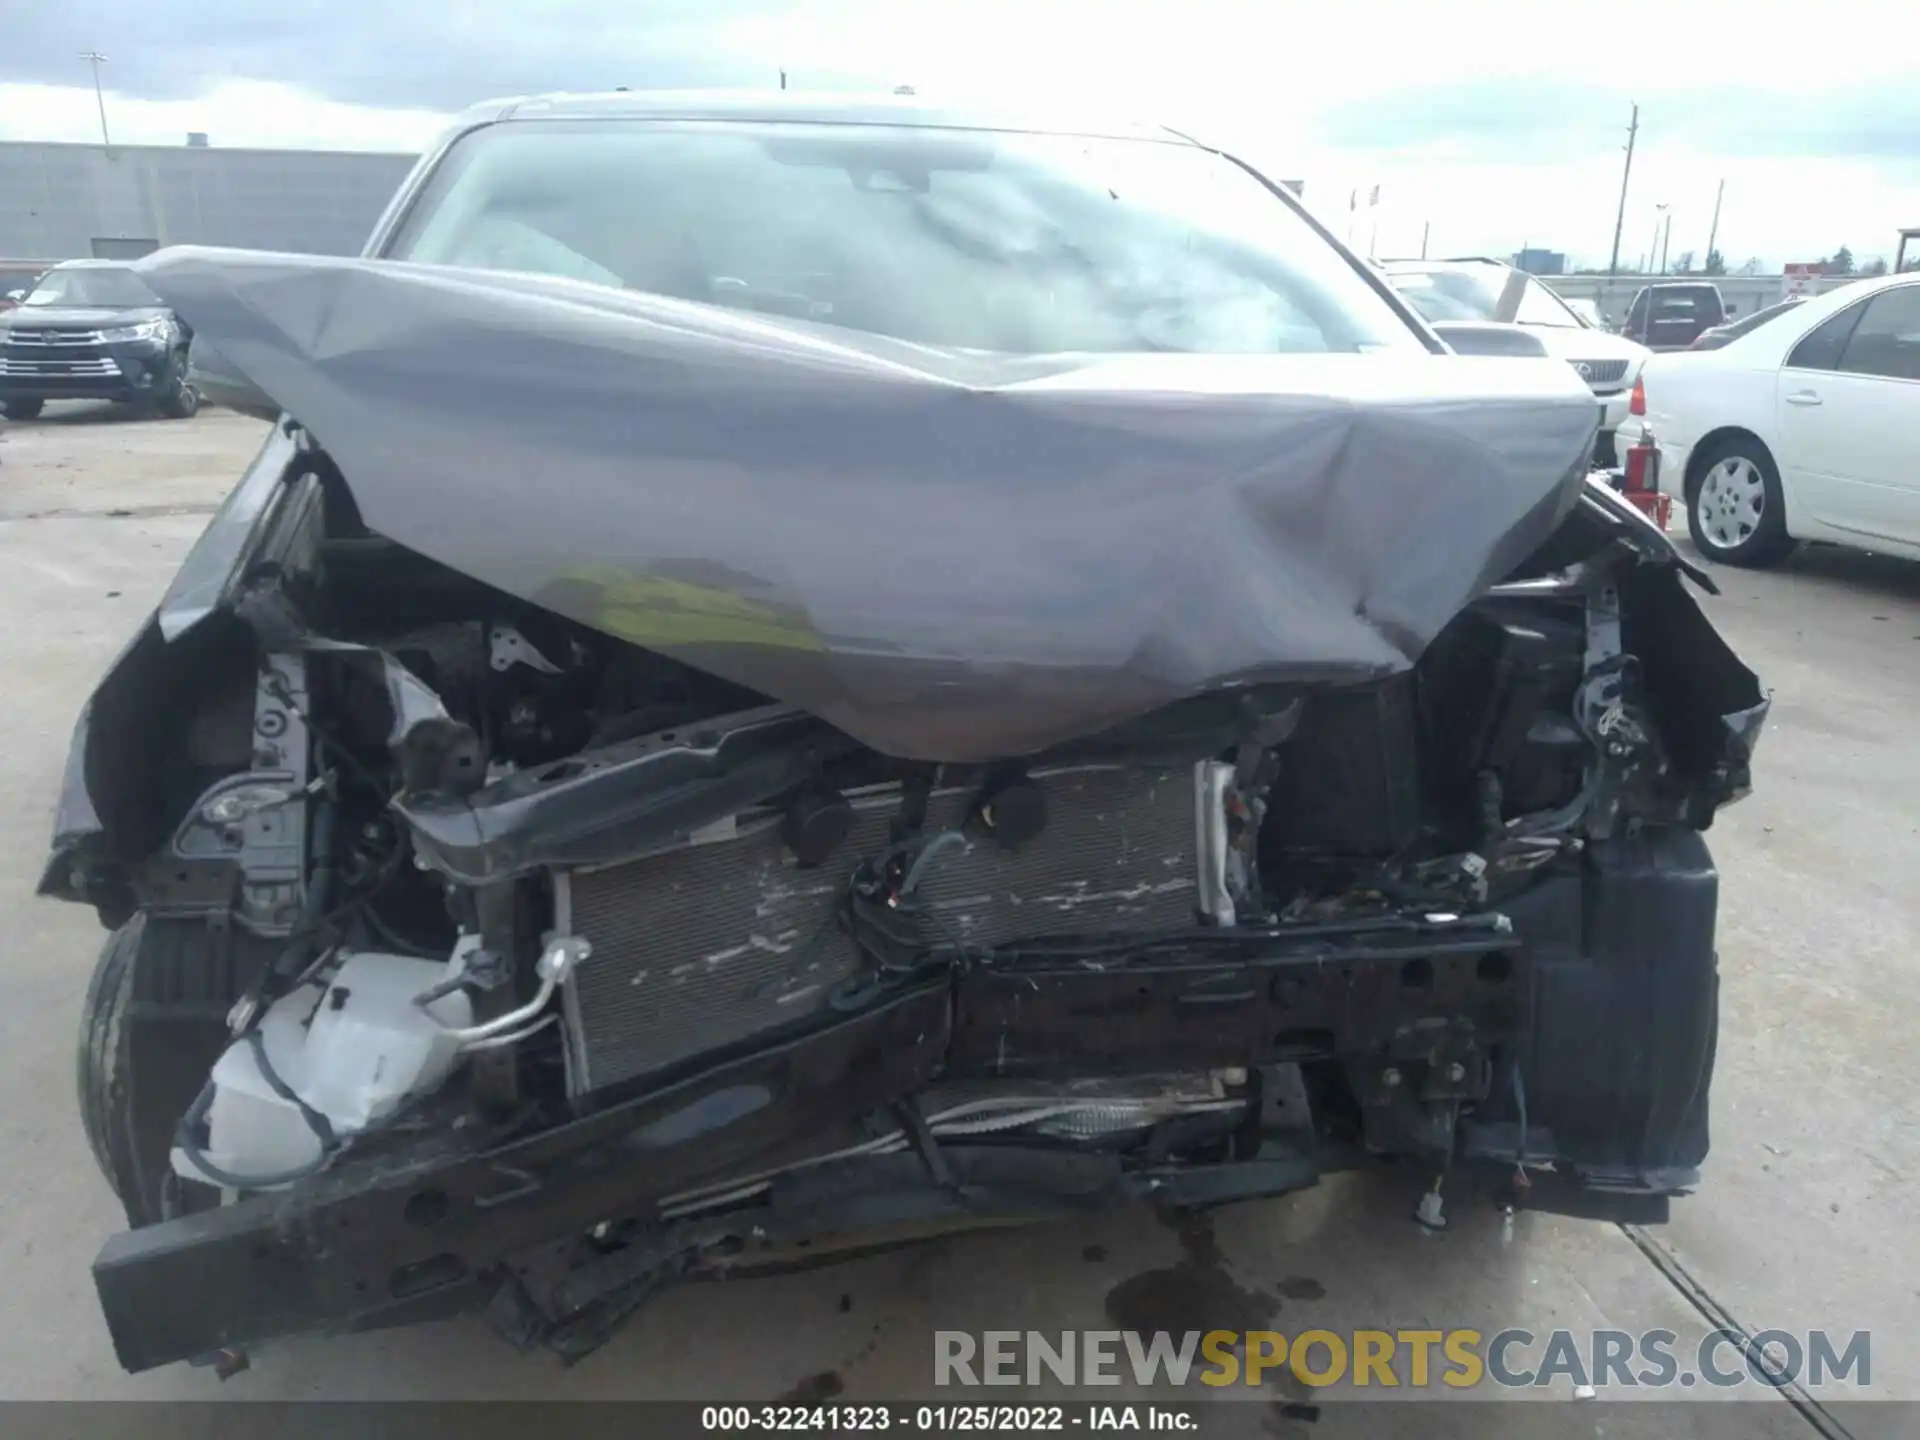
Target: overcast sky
{"points": [[1497, 123]]}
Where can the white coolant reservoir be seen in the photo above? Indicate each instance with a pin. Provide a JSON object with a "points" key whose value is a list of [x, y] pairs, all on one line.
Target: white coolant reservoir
{"points": [[352, 1051]]}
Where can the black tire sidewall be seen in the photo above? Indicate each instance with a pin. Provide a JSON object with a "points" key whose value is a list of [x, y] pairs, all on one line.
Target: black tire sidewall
{"points": [[182, 401], [101, 1061], [24, 409], [1769, 540], [152, 1027]]}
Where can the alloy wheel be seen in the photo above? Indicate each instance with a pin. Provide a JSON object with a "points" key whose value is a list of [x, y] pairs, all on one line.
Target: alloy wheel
{"points": [[1733, 497]]}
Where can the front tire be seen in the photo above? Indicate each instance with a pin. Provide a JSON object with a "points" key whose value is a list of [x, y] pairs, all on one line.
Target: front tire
{"points": [[153, 1023], [182, 401], [23, 409], [1735, 513], [102, 1060]]}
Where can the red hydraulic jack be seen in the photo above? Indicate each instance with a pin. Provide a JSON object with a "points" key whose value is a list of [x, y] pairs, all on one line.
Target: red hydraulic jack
{"points": [[1640, 481]]}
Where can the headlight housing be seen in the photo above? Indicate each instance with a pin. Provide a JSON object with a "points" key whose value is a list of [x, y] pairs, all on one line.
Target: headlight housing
{"points": [[157, 329]]}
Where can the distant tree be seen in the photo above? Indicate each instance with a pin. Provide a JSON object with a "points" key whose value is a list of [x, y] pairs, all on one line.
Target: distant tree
{"points": [[1716, 263], [1750, 266], [1913, 264], [1876, 266], [1841, 262], [1684, 264]]}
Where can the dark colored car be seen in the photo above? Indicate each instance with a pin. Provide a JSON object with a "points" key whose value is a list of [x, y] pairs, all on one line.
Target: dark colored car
{"points": [[813, 674], [92, 330], [1721, 334], [1672, 315]]}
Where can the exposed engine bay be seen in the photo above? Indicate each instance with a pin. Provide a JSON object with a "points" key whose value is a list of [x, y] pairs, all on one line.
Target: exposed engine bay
{"points": [[553, 857], [476, 869]]}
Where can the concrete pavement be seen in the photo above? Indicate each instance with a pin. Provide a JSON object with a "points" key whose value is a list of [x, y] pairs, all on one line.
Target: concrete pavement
{"points": [[1798, 1225]]}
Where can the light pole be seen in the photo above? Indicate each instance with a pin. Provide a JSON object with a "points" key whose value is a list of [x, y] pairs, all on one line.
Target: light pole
{"points": [[1620, 215], [1626, 174], [96, 60], [1659, 223], [1666, 234]]}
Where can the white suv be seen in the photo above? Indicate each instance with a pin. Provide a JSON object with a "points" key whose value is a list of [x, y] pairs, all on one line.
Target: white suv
{"points": [[1489, 291]]}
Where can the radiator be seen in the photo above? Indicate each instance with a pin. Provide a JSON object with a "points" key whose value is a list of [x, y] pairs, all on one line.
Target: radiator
{"points": [[725, 938]]}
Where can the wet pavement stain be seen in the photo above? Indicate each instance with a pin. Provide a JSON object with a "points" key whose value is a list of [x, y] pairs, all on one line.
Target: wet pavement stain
{"points": [[1197, 1293], [1288, 1417], [1300, 1287], [1297, 1410], [1094, 1254], [813, 1389]]}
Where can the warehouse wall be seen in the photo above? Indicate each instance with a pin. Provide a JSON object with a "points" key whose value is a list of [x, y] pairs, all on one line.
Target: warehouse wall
{"points": [[61, 202]]}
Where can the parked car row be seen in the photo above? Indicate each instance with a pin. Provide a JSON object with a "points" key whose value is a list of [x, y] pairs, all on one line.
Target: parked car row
{"points": [[1676, 315], [1679, 315], [92, 330], [1803, 423], [1800, 421], [1128, 668]]}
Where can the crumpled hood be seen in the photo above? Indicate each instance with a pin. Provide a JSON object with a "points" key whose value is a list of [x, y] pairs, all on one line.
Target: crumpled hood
{"points": [[950, 556]]}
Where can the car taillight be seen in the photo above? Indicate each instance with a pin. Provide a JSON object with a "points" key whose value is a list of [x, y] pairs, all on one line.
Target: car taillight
{"points": [[1638, 404]]}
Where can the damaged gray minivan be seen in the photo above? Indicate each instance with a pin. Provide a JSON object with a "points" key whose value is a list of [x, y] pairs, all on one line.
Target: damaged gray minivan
{"points": [[799, 674]]}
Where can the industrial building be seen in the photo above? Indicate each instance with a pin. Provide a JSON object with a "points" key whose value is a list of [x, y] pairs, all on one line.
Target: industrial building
{"points": [[1541, 262], [67, 201]]}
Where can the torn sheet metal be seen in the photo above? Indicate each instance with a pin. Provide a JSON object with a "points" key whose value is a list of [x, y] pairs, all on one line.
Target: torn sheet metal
{"points": [[950, 556]]}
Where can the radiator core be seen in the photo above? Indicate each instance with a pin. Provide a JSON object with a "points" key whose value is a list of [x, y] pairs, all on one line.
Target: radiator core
{"points": [[724, 938]]}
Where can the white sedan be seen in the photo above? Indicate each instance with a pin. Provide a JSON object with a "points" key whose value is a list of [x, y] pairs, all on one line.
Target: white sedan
{"points": [[1805, 428]]}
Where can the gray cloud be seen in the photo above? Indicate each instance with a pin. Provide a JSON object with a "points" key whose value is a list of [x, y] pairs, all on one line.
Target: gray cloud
{"points": [[428, 54], [445, 54], [1527, 120]]}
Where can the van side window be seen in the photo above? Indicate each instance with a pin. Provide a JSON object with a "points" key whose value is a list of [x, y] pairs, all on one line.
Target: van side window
{"points": [[1821, 347]]}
